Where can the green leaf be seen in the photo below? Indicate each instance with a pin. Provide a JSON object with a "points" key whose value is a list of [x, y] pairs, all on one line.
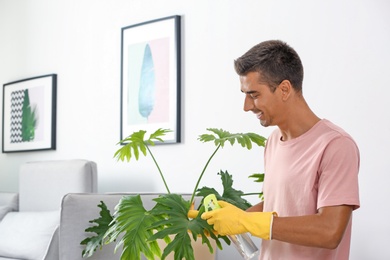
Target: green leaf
{"points": [[230, 194], [158, 134], [103, 223], [220, 136], [204, 191], [133, 222], [258, 177], [176, 222], [136, 143], [29, 119]]}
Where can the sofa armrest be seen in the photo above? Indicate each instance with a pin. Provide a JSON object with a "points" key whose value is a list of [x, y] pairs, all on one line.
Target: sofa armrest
{"points": [[77, 209]]}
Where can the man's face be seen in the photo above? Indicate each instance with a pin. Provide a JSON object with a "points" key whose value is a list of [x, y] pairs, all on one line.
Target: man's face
{"points": [[259, 99]]}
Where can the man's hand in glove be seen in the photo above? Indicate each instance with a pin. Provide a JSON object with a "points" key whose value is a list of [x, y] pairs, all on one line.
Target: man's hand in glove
{"points": [[230, 220], [192, 213]]}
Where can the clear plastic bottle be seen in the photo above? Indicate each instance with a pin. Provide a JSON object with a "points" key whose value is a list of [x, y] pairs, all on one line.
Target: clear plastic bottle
{"points": [[242, 242], [245, 246]]}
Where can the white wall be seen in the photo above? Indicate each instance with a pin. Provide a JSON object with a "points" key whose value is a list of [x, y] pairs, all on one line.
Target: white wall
{"points": [[344, 46]]}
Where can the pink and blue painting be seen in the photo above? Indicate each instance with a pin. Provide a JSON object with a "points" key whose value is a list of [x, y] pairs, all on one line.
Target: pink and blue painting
{"points": [[148, 82], [150, 78]]}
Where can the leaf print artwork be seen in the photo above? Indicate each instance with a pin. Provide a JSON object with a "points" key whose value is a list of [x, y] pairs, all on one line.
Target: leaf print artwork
{"points": [[29, 119], [146, 95]]}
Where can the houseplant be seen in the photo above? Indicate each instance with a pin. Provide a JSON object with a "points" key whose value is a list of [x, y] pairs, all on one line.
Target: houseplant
{"points": [[137, 229]]}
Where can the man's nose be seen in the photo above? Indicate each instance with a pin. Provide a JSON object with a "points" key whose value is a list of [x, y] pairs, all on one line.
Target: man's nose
{"points": [[248, 104]]}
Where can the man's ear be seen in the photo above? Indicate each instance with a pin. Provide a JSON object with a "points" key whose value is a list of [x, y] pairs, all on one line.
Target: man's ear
{"points": [[285, 88]]}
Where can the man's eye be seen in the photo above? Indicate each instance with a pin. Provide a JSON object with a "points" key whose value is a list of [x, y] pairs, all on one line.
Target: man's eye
{"points": [[254, 95]]}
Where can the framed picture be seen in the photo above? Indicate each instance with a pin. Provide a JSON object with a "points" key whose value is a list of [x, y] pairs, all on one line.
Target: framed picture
{"points": [[29, 114], [150, 78]]}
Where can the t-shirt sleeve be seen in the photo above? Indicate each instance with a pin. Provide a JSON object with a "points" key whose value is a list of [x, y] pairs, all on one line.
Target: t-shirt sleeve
{"points": [[338, 174]]}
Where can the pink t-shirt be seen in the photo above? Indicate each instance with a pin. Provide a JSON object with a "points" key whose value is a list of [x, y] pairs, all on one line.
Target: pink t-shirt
{"points": [[315, 170]]}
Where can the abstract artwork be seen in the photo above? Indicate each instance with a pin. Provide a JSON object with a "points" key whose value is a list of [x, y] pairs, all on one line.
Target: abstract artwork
{"points": [[29, 114], [150, 78]]}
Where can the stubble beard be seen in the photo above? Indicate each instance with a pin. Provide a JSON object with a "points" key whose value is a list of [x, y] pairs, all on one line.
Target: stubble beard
{"points": [[266, 122]]}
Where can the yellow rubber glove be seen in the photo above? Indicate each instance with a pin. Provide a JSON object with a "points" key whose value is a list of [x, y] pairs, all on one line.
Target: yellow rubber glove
{"points": [[192, 213], [230, 220]]}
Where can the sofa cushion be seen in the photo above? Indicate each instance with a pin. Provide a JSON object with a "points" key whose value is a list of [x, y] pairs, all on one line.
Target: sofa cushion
{"points": [[27, 235], [8, 202], [9, 199], [3, 211], [42, 184]]}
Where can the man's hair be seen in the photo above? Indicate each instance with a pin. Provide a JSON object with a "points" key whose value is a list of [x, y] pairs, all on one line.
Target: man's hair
{"points": [[275, 61]]}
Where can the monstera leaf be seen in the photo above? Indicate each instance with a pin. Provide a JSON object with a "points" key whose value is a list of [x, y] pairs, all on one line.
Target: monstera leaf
{"points": [[141, 228], [176, 222], [136, 143], [258, 177], [29, 119], [221, 136], [146, 94], [102, 224], [230, 194], [133, 221]]}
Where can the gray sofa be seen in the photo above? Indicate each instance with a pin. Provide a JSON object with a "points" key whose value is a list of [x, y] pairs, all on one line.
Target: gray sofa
{"points": [[29, 228]]}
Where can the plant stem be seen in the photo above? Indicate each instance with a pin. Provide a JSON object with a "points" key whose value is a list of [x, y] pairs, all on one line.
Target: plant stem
{"points": [[203, 171], [249, 194], [159, 170]]}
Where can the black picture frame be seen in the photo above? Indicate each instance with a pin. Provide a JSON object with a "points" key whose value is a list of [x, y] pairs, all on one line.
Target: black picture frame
{"points": [[29, 114], [151, 78]]}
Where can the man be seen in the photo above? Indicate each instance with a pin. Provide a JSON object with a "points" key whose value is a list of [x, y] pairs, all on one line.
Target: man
{"points": [[311, 166]]}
